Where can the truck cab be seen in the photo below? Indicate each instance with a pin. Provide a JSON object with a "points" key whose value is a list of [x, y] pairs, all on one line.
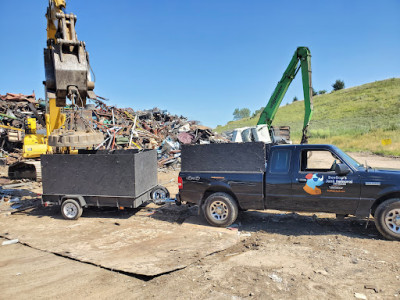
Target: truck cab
{"points": [[314, 178]]}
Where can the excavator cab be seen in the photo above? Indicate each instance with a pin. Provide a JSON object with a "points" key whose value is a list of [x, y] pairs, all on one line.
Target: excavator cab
{"points": [[34, 143]]}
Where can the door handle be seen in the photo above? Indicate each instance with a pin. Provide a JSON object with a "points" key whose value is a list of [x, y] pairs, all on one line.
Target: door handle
{"points": [[301, 180]]}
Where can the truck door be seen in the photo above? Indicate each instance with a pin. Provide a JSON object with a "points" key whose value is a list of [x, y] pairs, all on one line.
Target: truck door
{"points": [[316, 186], [278, 183]]}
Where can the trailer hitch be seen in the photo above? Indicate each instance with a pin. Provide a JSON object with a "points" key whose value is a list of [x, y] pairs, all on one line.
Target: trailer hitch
{"points": [[164, 201]]}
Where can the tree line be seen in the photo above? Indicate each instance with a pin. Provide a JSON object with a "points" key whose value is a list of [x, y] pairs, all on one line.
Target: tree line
{"points": [[337, 85]]}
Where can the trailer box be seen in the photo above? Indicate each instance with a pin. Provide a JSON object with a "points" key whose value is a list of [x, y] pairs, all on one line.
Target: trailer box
{"points": [[121, 178]]}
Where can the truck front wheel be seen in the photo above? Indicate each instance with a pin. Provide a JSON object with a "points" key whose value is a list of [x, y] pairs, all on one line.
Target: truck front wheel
{"points": [[71, 209], [387, 217], [220, 209]]}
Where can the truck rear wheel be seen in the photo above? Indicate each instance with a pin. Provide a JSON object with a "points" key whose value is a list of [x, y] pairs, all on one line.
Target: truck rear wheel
{"points": [[387, 217], [220, 209], [71, 209]]}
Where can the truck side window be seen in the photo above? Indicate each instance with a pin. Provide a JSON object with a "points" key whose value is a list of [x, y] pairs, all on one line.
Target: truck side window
{"points": [[318, 161], [280, 161]]}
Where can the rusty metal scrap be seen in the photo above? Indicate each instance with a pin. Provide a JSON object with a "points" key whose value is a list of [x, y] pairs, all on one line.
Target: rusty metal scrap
{"points": [[150, 129], [122, 128], [18, 97], [14, 109]]}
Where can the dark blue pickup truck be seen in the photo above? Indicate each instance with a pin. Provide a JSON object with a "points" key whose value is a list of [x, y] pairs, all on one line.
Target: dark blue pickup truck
{"points": [[223, 179]]}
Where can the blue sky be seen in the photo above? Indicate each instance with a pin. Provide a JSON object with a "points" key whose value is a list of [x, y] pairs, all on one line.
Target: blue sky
{"points": [[204, 58]]}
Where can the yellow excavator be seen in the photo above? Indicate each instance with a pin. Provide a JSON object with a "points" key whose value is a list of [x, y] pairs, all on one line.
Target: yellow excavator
{"points": [[67, 70]]}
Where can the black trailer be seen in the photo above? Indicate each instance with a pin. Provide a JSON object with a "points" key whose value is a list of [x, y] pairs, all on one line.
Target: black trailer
{"points": [[120, 178]]}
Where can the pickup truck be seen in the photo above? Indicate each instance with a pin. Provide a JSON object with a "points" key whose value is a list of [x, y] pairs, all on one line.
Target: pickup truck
{"points": [[223, 179]]}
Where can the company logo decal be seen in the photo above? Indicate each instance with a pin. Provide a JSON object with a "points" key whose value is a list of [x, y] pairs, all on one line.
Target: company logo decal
{"points": [[313, 181], [337, 184]]}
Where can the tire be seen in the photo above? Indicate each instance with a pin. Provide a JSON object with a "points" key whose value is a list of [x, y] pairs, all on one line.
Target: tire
{"points": [[220, 209], [159, 193], [71, 209], [387, 219]]}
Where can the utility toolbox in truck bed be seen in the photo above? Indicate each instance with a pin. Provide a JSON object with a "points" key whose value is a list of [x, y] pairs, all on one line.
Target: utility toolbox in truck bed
{"points": [[228, 157]]}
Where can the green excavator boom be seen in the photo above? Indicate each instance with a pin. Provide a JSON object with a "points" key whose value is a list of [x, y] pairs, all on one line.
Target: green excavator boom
{"points": [[301, 59]]}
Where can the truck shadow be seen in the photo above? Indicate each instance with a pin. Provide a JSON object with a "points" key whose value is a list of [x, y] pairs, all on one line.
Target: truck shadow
{"points": [[295, 224], [174, 214], [287, 223]]}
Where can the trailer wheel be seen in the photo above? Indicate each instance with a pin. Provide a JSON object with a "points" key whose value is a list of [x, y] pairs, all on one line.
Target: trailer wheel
{"points": [[71, 209], [220, 209], [387, 217], [159, 193]]}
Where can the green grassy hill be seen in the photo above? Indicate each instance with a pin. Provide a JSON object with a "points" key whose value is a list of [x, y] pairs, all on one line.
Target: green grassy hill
{"points": [[355, 119]]}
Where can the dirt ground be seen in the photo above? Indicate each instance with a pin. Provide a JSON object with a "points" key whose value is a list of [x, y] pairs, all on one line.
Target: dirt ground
{"points": [[265, 255]]}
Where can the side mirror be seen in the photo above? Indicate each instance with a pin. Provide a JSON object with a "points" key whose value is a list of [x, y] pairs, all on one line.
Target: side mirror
{"points": [[342, 169]]}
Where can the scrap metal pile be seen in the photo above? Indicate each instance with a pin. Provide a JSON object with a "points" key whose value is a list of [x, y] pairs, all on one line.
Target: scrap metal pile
{"points": [[150, 129], [14, 109], [122, 128]]}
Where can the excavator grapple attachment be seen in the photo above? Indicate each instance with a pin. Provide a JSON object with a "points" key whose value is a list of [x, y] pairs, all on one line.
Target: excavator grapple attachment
{"points": [[65, 68]]}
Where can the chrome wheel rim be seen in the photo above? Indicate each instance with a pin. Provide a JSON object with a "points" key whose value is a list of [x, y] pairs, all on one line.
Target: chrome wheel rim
{"points": [[392, 220], [219, 210], [159, 194], [70, 210]]}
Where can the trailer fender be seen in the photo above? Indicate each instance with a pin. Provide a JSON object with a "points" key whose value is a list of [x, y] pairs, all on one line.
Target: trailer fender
{"points": [[79, 198]]}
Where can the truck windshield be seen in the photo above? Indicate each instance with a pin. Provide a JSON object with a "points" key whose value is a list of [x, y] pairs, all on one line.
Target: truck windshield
{"points": [[348, 158]]}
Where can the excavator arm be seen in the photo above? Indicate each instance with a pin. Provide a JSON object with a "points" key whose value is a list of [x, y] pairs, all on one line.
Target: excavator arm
{"points": [[67, 70], [301, 59], [66, 60], [55, 6]]}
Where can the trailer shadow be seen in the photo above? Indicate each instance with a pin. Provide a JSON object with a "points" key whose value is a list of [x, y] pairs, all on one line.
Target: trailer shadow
{"points": [[166, 213], [169, 213], [91, 212]]}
